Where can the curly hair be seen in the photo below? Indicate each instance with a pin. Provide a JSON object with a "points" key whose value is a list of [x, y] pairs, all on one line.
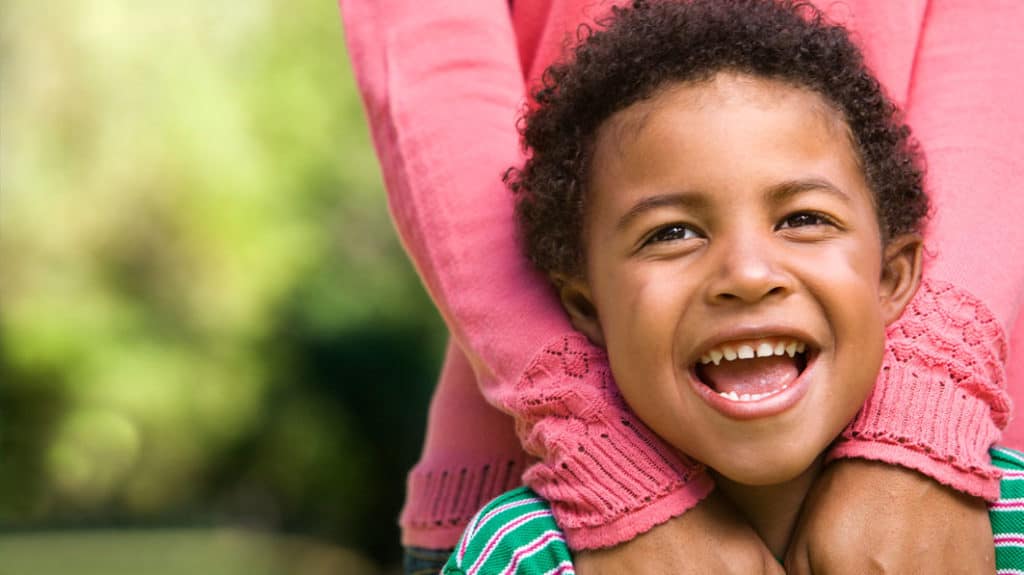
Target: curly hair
{"points": [[641, 48]]}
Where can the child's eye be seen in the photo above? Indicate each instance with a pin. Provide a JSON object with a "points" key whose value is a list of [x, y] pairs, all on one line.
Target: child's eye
{"points": [[802, 219], [671, 233]]}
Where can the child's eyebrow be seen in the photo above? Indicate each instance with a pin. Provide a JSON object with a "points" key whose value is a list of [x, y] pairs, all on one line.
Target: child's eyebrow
{"points": [[692, 200], [783, 191]]}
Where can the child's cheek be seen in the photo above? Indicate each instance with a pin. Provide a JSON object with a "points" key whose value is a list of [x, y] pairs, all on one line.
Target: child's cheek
{"points": [[645, 310]]}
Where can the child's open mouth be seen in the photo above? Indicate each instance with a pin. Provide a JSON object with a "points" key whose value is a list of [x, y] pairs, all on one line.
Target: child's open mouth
{"points": [[753, 370]]}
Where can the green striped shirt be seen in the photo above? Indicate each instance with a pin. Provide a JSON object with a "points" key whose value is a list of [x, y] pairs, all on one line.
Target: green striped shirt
{"points": [[1007, 514], [517, 534]]}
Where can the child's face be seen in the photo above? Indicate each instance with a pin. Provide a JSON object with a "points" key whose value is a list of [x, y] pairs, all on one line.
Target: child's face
{"points": [[731, 216]]}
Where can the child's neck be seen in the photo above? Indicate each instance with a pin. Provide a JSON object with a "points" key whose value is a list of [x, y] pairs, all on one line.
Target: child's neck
{"points": [[772, 510]]}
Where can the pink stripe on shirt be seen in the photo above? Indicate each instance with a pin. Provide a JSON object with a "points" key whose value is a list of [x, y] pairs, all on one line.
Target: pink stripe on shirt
{"points": [[1009, 540], [474, 526], [1007, 504], [537, 545], [473, 569]]}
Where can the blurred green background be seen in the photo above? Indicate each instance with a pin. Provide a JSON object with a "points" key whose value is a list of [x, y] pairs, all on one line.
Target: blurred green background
{"points": [[214, 356]]}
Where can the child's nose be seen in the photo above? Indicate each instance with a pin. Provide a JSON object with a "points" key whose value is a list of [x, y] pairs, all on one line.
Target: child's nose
{"points": [[748, 271]]}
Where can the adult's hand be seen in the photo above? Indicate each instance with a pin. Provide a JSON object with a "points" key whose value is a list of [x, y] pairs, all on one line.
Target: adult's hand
{"points": [[710, 538], [864, 517]]}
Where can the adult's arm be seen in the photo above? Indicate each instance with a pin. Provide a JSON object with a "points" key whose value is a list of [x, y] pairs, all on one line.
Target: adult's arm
{"points": [[941, 395], [941, 398], [442, 86]]}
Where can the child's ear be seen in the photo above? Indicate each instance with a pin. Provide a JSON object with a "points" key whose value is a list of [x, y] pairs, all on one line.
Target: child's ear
{"points": [[579, 304], [901, 274]]}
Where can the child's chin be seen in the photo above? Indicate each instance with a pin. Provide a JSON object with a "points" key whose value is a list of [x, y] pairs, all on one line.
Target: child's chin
{"points": [[770, 471]]}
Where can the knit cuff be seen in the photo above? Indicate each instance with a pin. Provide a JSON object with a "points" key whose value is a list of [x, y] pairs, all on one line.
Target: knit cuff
{"points": [[607, 476], [979, 482], [441, 500], [940, 401], [643, 518]]}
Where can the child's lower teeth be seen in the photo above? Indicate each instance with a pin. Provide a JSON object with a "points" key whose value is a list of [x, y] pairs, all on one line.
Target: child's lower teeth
{"points": [[733, 396]]}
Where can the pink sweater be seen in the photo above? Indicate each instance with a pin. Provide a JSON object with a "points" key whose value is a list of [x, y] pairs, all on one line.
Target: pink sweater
{"points": [[443, 81]]}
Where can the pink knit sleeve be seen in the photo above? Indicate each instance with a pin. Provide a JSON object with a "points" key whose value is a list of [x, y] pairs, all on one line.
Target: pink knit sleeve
{"points": [[442, 86], [941, 400]]}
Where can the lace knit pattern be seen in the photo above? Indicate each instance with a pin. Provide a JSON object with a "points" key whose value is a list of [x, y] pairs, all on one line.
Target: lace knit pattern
{"points": [[941, 396], [601, 467]]}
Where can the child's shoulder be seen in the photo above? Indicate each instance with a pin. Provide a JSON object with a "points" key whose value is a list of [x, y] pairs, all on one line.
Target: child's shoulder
{"points": [[1007, 512], [1007, 459], [514, 533]]}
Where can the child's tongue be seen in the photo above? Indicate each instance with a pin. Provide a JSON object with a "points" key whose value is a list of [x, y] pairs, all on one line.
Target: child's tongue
{"points": [[757, 375]]}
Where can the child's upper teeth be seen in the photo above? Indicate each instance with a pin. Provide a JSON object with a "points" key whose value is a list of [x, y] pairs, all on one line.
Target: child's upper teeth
{"points": [[766, 348]]}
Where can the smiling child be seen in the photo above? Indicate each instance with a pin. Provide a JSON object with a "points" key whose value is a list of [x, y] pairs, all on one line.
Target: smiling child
{"points": [[733, 222], [734, 216]]}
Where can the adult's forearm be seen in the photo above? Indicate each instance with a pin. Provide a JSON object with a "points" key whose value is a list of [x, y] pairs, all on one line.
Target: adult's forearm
{"points": [[442, 87], [941, 398]]}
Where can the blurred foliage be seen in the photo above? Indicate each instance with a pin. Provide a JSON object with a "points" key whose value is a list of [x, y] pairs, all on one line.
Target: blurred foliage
{"points": [[174, 552], [206, 317]]}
